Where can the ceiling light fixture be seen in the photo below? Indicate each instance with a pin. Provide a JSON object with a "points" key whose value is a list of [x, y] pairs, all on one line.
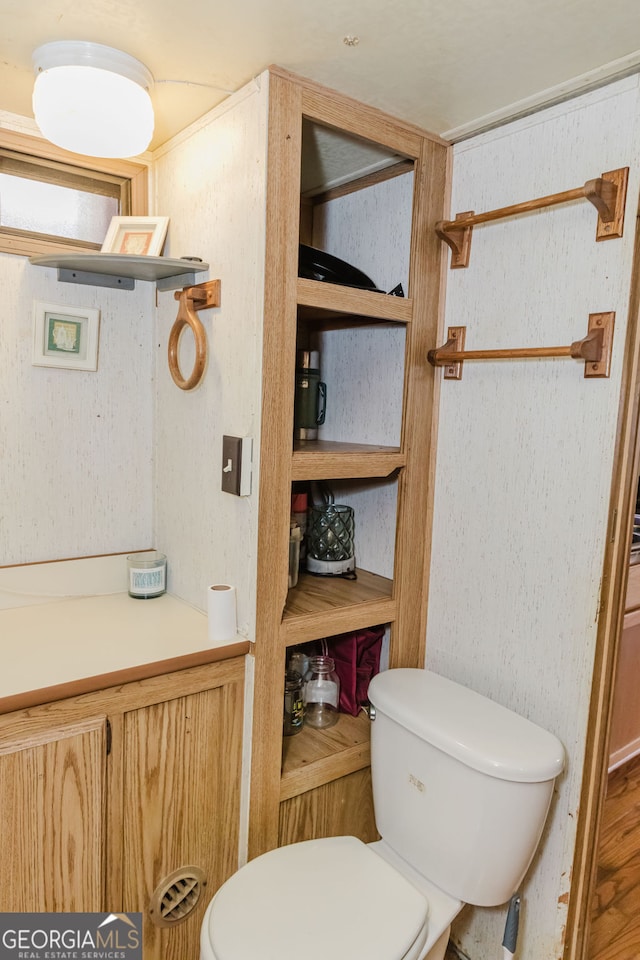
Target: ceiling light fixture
{"points": [[92, 99]]}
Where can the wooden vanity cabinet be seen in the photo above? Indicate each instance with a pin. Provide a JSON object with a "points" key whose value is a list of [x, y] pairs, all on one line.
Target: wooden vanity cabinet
{"points": [[52, 813], [105, 797]]}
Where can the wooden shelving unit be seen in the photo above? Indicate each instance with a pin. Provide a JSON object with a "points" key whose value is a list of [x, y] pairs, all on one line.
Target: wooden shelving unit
{"points": [[325, 606], [317, 782], [323, 300], [331, 460], [314, 757]]}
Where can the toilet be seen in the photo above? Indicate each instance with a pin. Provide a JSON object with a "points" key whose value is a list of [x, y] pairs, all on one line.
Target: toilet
{"points": [[461, 788]]}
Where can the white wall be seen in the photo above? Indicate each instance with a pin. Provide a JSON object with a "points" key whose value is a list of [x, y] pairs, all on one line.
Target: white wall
{"points": [[364, 367], [211, 182], [75, 446], [525, 457]]}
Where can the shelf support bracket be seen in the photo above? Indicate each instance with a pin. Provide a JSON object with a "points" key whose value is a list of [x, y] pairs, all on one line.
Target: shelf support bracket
{"points": [[191, 299], [457, 238], [595, 349]]}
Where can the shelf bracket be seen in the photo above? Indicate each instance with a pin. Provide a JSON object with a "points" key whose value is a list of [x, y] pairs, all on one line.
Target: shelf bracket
{"points": [[595, 349], [66, 275], [191, 299], [607, 193], [457, 238]]}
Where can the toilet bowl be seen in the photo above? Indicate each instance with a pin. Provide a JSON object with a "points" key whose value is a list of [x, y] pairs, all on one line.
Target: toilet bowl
{"points": [[461, 787]]}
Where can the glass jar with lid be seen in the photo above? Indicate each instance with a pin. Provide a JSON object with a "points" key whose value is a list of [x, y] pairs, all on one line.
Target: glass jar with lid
{"points": [[321, 693]]}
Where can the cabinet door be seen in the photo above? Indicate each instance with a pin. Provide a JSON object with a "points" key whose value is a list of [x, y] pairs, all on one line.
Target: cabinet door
{"points": [[52, 810], [181, 793]]}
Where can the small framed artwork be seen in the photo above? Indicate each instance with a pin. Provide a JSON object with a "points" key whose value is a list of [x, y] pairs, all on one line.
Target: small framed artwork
{"points": [[140, 236], [65, 336]]}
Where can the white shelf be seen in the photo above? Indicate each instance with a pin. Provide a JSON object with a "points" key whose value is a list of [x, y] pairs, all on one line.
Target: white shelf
{"points": [[122, 270]]}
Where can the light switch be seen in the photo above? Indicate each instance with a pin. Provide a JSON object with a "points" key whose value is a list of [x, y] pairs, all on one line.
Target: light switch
{"points": [[236, 465]]}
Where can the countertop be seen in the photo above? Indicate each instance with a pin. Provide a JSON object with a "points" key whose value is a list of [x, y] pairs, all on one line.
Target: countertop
{"points": [[56, 647]]}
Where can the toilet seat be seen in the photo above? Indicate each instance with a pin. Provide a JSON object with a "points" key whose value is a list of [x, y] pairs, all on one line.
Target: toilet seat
{"points": [[332, 897]]}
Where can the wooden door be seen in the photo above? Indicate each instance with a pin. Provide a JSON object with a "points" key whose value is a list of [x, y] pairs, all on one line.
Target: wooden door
{"points": [[52, 818], [181, 809]]}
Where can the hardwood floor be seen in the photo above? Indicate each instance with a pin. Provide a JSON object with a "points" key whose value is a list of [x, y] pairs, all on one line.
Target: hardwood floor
{"points": [[615, 931]]}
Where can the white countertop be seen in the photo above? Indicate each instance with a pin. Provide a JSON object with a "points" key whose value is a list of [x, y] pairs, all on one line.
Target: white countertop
{"points": [[80, 643]]}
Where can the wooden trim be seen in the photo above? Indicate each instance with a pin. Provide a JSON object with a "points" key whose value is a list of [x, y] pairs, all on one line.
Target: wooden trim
{"points": [[339, 620], [144, 671], [626, 465], [278, 375], [61, 174], [333, 110], [332, 297], [398, 169], [74, 728], [37, 147], [136, 189], [32, 246], [329, 768], [119, 699], [348, 108], [329, 460], [415, 490], [114, 858]]}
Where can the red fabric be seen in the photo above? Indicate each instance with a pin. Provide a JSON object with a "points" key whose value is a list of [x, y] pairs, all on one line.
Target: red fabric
{"points": [[357, 659]]}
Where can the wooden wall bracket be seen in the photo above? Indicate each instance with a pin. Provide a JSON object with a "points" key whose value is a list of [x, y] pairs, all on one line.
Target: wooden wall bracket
{"points": [[191, 299], [607, 194], [595, 349]]}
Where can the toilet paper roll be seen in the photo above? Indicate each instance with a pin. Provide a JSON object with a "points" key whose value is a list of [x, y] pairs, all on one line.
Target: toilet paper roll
{"points": [[221, 610]]}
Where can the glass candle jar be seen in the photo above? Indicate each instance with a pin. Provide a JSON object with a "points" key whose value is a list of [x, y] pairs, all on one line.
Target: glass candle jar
{"points": [[147, 574], [293, 706], [321, 693]]}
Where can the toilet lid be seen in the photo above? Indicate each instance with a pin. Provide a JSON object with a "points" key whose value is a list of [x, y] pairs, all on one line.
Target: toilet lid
{"points": [[329, 899]]}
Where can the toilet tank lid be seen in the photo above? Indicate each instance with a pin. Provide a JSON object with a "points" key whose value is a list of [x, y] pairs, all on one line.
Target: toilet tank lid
{"points": [[475, 730]]}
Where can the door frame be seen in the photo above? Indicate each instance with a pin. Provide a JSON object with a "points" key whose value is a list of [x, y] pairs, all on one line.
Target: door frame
{"points": [[626, 466]]}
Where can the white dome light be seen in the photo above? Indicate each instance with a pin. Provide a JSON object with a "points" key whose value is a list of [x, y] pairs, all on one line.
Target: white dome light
{"points": [[92, 99]]}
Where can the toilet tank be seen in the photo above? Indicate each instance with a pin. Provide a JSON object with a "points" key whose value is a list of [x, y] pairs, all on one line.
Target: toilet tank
{"points": [[461, 784]]}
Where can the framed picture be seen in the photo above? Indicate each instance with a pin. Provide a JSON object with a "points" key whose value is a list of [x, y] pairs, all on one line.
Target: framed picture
{"points": [[65, 336], [141, 236]]}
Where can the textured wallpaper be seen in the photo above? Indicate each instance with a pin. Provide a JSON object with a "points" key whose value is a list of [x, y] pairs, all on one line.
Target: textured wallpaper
{"points": [[211, 182], [525, 455]]}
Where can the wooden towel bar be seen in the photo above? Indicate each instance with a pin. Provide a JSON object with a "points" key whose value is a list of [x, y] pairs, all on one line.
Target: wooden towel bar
{"points": [[607, 194], [594, 349]]}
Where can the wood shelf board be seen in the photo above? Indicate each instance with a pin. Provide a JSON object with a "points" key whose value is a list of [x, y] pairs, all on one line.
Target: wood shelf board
{"points": [[314, 757], [331, 460], [325, 606], [333, 300]]}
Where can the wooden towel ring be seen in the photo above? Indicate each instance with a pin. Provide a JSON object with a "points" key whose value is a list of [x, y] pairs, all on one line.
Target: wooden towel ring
{"points": [[191, 299]]}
